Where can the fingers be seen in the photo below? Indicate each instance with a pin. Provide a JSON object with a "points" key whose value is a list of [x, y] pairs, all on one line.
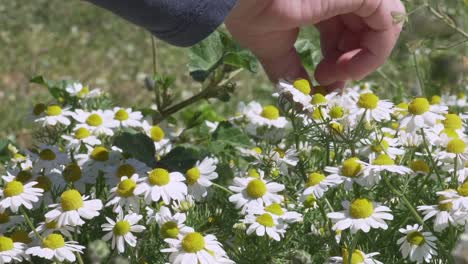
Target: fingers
{"points": [[287, 66]]}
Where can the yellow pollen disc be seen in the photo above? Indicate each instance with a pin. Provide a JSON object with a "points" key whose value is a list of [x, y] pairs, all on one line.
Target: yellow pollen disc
{"points": [[275, 209], [451, 133], [435, 99], [444, 206], [47, 154], [125, 170], [159, 177], [169, 230], [83, 92], [121, 228], [351, 167], [193, 242], [361, 208], [383, 159], [265, 220], [456, 146], [253, 173], [257, 150], [318, 114], [336, 128], [94, 120], [121, 115], [281, 152], [415, 238], [461, 95], [44, 183], [71, 200], [303, 86], [402, 106], [318, 98], [51, 225], [368, 101], [126, 188], [100, 154], [463, 189], [72, 173], [82, 133], [53, 241], [157, 134], [419, 106], [21, 236], [452, 121], [6, 244], [256, 188], [315, 178], [13, 188], [310, 201], [53, 110], [193, 175], [4, 218], [420, 166], [380, 147], [23, 176], [336, 112], [39, 109], [270, 112], [356, 258]]}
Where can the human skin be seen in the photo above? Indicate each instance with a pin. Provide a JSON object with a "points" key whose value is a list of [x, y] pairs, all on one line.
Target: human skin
{"points": [[356, 36]]}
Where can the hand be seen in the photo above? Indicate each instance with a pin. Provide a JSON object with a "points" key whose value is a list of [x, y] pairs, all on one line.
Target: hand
{"points": [[356, 36]]}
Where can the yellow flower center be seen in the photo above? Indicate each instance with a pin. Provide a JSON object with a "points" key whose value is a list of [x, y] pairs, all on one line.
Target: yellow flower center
{"points": [[265, 220], [336, 128], [21, 236], [336, 112], [121, 228], [13, 188], [275, 209], [257, 150], [310, 201], [303, 86], [253, 173], [121, 115], [452, 121], [71, 200], [402, 106], [368, 101], [44, 183], [82, 133], [83, 92], [444, 206], [157, 134], [126, 188], [23, 176], [435, 99], [53, 241], [94, 120], [72, 173], [100, 154], [47, 154], [256, 188], [39, 109], [420, 166], [318, 98], [451, 133], [6, 244], [361, 208], [456, 146], [419, 106], [415, 238], [383, 159], [270, 112], [382, 146], [51, 225], [318, 114], [4, 218], [125, 170], [356, 258], [193, 242], [169, 230], [193, 175], [461, 95], [463, 189], [351, 167], [159, 177], [314, 179], [53, 110]]}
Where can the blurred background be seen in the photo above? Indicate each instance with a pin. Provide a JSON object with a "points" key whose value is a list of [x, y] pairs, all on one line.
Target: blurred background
{"points": [[75, 40]]}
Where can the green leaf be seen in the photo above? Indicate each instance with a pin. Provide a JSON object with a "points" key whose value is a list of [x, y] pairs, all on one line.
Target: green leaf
{"points": [[226, 133], [242, 59], [309, 53], [205, 57], [180, 159], [138, 145], [56, 88]]}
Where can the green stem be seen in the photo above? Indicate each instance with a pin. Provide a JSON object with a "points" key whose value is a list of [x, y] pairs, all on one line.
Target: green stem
{"points": [[78, 257], [30, 224], [434, 165], [418, 73], [447, 21], [455, 168], [353, 247], [223, 188]]}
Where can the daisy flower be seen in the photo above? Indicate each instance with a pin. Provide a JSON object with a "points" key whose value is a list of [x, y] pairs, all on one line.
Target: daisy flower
{"points": [[278, 212], [47, 228], [97, 160], [443, 212], [263, 224], [122, 229], [358, 257], [127, 118], [170, 226], [200, 176], [417, 245], [371, 108], [372, 172], [11, 251], [53, 115], [81, 91], [455, 151], [264, 116], [7, 221], [54, 247], [162, 184], [252, 191], [183, 205], [81, 137], [125, 167], [162, 144], [361, 214], [49, 158], [72, 207], [285, 158], [15, 194], [296, 92], [98, 122], [123, 197], [421, 114], [194, 248], [317, 184], [349, 171], [74, 175]]}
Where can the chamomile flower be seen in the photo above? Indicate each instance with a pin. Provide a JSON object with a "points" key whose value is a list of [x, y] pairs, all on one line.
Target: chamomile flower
{"points": [[81, 137], [199, 177], [317, 184], [54, 247], [124, 167], [278, 212], [371, 108], [455, 150], [254, 192], [127, 118], [171, 226], [285, 158], [349, 171], [53, 115], [417, 245], [361, 214], [73, 174], [162, 185], [49, 158], [97, 160], [72, 208], [47, 228], [162, 144], [122, 229], [122, 197], [98, 122], [81, 91], [421, 114], [372, 172], [183, 205], [443, 212], [7, 221], [16, 194], [263, 224], [10, 251], [194, 248], [297, 92], [358, 257], [268, 116]]}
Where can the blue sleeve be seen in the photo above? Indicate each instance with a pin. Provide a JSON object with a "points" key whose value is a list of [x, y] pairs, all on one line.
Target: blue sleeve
{"points": [[179, 22]]}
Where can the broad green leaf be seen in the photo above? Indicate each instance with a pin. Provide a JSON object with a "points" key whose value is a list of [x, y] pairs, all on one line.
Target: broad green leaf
{"points": [[180, 159], [205, 57], [228, 134], [138, 145]]}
